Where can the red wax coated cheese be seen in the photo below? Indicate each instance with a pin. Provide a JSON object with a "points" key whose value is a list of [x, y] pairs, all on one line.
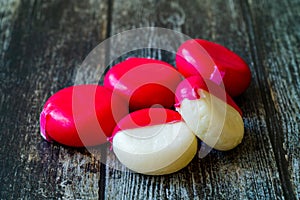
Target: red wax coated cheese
{"points": [[147, 117], [82, 115], [189, 87], [154, 141], [215, 62], [144, 82]]}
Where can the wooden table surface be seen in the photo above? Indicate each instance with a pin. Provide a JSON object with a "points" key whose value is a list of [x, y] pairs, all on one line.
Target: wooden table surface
{"points": [[43, 42]]}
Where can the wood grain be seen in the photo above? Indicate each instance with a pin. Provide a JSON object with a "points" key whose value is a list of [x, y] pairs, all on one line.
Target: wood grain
{"points": [[41, 44], [277, 60]]}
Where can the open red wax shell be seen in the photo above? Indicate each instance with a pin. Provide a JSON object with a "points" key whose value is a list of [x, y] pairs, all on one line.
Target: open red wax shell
{"points": [[147, 117], [82, 115], [144, 82], [210, 113], [215, 62], [189, 87]]}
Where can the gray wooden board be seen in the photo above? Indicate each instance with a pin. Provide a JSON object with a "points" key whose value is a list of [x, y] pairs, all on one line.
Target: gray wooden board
{"points": [[275, 41], [43, 42]]}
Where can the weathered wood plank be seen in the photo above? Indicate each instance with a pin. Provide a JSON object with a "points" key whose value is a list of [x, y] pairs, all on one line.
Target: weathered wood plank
{"points": [[8, 15], [275, 35], [248, 172], [41, 44]]}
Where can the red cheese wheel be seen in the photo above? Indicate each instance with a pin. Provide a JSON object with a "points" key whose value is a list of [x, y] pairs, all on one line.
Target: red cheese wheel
{"points": [[144, 82], [215, 62], [82, 115]]}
